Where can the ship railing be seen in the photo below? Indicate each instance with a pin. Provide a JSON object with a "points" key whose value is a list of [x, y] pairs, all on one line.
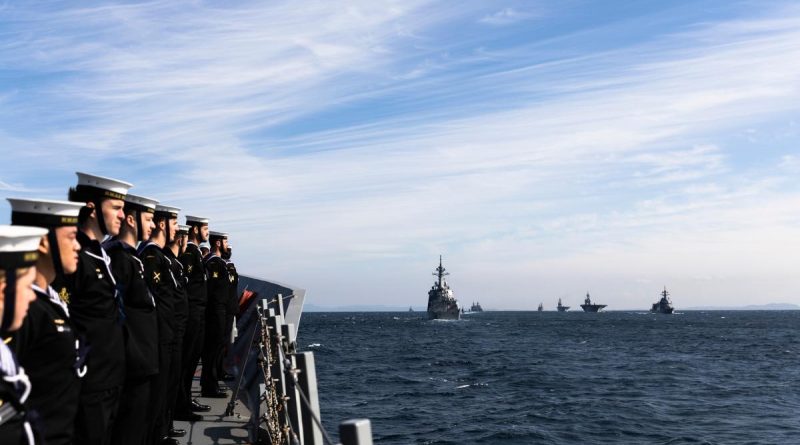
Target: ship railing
{"points": [[289, 391]]}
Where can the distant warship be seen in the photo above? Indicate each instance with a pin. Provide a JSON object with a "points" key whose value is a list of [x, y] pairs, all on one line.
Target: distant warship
{"points": [[541, 307], [561, 307], [476, 307], [441, 303], [588, 306], [664, 305]]}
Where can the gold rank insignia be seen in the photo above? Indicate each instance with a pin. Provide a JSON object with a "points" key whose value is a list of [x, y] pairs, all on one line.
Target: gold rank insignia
{"points": [[58, 321], [64, 295], [190, 268], [157, 277], [230, 278], [216, 275], [99, 273]]}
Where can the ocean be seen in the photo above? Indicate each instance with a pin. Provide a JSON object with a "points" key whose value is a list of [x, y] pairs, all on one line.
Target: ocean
{"points": [[705, 377]]}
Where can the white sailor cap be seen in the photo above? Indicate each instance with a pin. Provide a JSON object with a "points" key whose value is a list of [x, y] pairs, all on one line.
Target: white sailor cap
{"points": [[92, 187], [182, 229], [167, 211], [43, 212], [219, 235], [196, 220], [204, 245], [141, 203], [19, 246]]}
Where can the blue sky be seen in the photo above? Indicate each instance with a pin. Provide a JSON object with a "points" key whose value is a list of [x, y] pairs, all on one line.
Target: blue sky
{"points": [[544, 148]]}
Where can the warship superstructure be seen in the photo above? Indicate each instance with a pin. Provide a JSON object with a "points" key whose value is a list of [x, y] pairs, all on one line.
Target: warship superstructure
{"points": [[476, 307], [561, 307], [664, 305], [441, 303], [588, 306], [540, 308]]}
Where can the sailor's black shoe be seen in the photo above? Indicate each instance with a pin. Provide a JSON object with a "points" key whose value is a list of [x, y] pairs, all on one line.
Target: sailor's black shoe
{"points": [[227, 377], [199, 407], [176, 432], [168, 441]]}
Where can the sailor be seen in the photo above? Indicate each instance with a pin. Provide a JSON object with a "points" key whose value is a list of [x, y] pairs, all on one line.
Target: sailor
{"points": [[140, 327], [94, 306], [19, 251], [216, 310], [164, 286], [47, 344], [173, 251], [205, 247], [231, 311], [196, 293]]}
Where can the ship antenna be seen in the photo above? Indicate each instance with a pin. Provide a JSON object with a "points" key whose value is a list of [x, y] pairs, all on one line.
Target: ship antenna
{"points": [[440, 272]]}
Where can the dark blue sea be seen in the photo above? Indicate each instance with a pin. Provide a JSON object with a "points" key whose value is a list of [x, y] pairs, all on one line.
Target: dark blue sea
{"points": [[716, 377]]}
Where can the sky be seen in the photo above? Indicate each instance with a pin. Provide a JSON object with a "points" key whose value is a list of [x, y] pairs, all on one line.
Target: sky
{"points": [[544, 148]]}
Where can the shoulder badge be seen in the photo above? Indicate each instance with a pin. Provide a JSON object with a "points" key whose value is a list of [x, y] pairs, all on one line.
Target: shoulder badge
{"points": [[64, 295]]}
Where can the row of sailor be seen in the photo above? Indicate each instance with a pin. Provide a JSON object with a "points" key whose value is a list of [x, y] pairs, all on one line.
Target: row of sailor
{"points": [[115, 293]]}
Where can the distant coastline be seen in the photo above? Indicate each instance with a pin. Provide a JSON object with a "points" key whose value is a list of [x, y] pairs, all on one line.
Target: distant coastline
{"points": [[749, 307], [387, 308], [360, 308]]}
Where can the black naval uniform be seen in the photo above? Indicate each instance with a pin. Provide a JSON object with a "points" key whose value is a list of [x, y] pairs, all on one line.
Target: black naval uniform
{"points": [[47, 347], [196, 293], [141, 343], [94, 307], [231, 310], [15, 429], [181, 307], [218, 297], [158, 273]]}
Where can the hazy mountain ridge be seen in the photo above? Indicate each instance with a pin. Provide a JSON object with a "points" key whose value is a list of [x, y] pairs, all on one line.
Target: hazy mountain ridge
{"points": [[389, 308], [749, 307]]}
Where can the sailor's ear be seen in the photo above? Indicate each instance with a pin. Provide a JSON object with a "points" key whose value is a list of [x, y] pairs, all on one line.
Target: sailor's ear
{"points": [[130, 220], [44, 246]]}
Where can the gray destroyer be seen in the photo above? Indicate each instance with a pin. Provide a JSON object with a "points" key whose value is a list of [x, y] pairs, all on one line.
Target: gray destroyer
{"points": [[664, 305], [441, 303]]}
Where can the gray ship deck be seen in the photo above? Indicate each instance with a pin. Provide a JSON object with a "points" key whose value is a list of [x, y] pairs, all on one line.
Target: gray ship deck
{"points": [[215, 428], [272, 321]]}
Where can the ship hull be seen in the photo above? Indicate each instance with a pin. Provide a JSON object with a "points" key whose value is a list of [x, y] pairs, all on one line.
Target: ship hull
{"points": [[442, 306], [444, 315], [668, 310], [592, 307], [563, 308]]}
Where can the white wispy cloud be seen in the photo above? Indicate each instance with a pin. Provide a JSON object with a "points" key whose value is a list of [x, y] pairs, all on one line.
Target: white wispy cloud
{"points": [[506, 16]]}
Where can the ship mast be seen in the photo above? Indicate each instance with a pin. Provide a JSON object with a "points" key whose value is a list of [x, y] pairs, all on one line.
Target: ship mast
{"points": [[440, 272]]}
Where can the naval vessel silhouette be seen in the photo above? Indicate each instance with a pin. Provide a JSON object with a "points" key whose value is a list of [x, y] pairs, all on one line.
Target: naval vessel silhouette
{"points": [[441, 303], [664, 305], [588, 306]]}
